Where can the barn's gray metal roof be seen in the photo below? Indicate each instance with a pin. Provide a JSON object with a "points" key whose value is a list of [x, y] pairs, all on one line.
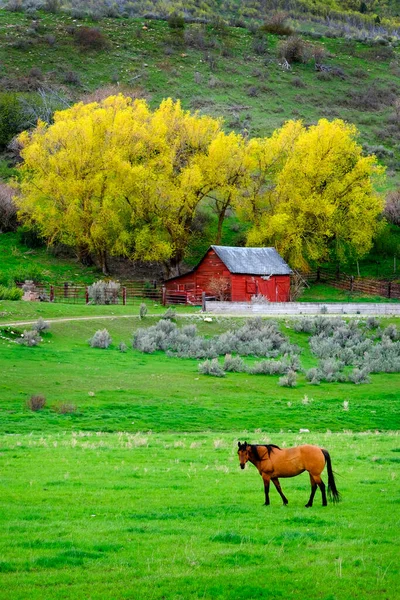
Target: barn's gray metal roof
{"points": [[254, 261]]}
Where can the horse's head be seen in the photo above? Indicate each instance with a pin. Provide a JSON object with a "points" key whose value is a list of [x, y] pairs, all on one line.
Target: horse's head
{"points": [[243, 453]]}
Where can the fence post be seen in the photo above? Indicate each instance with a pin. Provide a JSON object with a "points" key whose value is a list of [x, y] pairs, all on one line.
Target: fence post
{"points": [[203, 301], [65, 289], [352, 283], [51, 293], [389, 290], [318, 274], [87, 295], [164, 295], [124, 295]]}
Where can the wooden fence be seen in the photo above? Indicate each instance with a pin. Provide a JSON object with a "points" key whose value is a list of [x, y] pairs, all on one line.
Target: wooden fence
{"points": [[373, 287], [133, 292]]}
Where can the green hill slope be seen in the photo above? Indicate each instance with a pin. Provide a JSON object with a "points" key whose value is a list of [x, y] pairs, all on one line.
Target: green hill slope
{"points": [[225, 71]]}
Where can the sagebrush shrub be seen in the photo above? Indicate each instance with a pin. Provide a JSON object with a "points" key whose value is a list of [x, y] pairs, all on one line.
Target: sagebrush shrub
{"points": [[170, 313], [359, 376], [142, 310], [314, 376], [41, 325], [211, 367], [29, 338], [391, 332], [234, 364], [36, 402], [122, 347], [288, 380], [101, 339], [104, 292]]}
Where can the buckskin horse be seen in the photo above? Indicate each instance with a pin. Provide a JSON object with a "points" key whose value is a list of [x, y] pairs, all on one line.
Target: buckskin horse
{"points": [[273, 462]]}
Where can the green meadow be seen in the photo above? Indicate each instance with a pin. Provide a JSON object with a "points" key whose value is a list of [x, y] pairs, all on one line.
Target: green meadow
{"points": [[137, 493]]}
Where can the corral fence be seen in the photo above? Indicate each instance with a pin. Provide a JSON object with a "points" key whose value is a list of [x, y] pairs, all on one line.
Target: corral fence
{"points": [[132, 292], [374, 287]]}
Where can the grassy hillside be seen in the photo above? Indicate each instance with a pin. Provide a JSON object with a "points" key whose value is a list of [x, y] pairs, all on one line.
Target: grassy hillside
{"points": [[229, 72]]}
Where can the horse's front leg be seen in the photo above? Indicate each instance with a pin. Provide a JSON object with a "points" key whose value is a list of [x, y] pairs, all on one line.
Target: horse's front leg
{"points": [[266, 479]]}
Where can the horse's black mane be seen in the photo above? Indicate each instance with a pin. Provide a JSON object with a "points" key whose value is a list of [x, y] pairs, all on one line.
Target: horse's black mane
{"points": [[269, 447]]}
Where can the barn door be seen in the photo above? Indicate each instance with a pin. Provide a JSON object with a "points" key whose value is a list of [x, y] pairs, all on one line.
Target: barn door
{"points": [[266, 287], [283, 290]]}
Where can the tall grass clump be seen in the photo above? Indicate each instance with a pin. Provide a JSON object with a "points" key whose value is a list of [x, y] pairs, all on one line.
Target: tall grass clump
{"points": [[101, 339]]}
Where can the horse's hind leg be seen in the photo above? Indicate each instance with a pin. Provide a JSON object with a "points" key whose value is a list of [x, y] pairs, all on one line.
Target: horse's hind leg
{"points": [[313, 490], [278, 487], [318, 482]]}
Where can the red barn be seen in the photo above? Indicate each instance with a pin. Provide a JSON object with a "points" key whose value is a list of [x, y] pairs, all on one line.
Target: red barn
{"points": [[239, 273]]}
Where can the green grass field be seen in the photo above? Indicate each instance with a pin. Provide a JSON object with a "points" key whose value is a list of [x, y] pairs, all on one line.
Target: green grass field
{"points": [[138, 494]]}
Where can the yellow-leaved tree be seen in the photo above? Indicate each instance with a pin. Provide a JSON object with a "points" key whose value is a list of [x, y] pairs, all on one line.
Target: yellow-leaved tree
{"points": [[312, 194], [114, 177]]}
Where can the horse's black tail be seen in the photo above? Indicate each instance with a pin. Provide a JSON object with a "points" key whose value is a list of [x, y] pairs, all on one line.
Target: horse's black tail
{"points": [[333, 493]]}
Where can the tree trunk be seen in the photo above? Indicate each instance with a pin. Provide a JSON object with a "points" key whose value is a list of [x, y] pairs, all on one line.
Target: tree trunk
{"points": [[103, 262], [84, 256], [221, 217]]}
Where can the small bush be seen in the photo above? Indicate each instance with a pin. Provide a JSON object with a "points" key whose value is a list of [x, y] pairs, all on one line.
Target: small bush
{"points": [[71, 78], [122, 347], [276, 24], [10, 293], [91, 38], [294, 50], [176, 21], [142, 310], [212, 367], [260, 45], [391, 332], [101, 339], [314, 376], [298, 83], [359, 376], [29, 338], [104, 292], [288, 380], [372, 323], [234, 364], [169, 314], [36, 402], [41, 326]]}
